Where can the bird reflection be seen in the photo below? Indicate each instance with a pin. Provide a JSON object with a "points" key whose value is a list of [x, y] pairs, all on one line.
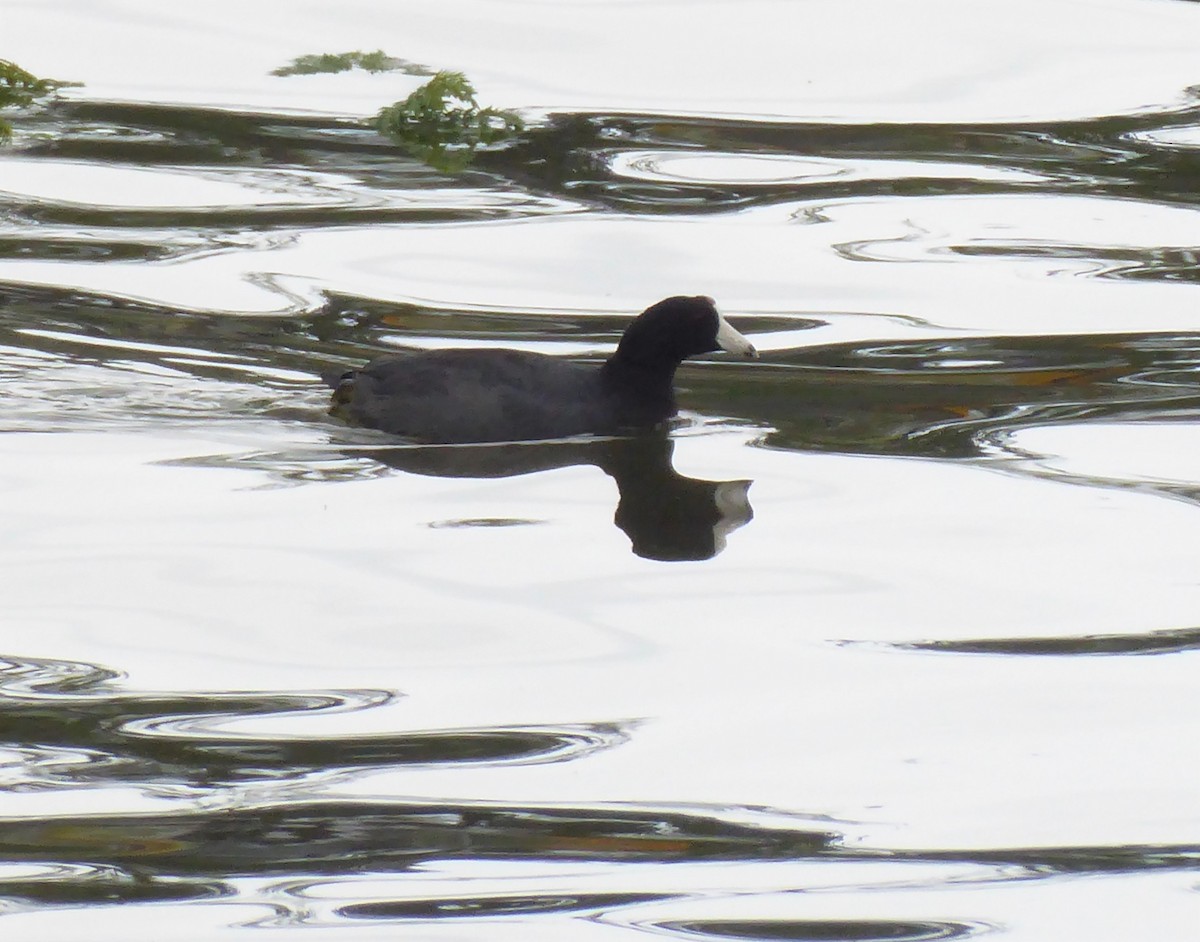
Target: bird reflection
{"points": [[665, 515]]}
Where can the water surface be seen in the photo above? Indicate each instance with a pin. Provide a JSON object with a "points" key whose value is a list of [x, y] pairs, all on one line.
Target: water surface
{"points": [[891, 636]]}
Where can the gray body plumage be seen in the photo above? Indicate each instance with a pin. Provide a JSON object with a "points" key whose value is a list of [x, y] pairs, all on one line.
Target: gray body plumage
{"points": [[457, 396]]}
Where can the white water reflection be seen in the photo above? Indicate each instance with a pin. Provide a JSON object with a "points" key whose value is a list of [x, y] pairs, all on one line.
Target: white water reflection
{"points": [[771, 169], [1162, 454], [193, 579], [934, 60], [1101, 908], [1183, 138], [972, 264], [256, 674], [86, 184]]}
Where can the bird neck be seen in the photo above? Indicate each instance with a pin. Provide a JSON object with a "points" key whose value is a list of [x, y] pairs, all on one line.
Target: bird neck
{"points": [[649, 386]]}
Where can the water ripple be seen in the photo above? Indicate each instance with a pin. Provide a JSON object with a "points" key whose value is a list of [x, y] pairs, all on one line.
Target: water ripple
{"points": [[69, 726], [485, 906], [1012, 296], [813, 930], [336, 836], [1168, 641]]}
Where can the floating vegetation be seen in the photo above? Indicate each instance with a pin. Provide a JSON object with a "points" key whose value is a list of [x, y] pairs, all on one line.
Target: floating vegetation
{"points": [[19, 88], [331, 62], [442, 124]]}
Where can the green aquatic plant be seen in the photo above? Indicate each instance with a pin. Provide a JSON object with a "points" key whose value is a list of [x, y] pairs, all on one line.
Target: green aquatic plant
{"points": [[19, 88], [330, 62], [442, 124]]}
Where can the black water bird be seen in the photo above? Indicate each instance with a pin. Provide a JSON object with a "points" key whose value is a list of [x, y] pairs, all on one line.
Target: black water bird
{"points": [[468, 395]]}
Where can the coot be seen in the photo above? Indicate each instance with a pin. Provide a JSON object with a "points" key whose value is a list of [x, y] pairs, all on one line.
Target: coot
{"points": [[460, 396]]}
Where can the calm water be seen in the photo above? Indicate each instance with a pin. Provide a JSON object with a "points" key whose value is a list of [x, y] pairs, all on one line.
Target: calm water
{"points": [[894, 637]]}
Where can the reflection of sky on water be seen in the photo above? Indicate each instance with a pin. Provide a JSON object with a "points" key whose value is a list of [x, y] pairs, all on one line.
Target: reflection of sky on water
{"points": [[261, 670], [934, 60], [842, 549]]}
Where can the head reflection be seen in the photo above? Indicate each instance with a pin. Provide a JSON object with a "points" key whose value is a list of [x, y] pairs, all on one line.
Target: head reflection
{"points": [[666, 516]]}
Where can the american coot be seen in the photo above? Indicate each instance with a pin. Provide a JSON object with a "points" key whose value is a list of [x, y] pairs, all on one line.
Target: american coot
{"points": [[461, 396]]}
